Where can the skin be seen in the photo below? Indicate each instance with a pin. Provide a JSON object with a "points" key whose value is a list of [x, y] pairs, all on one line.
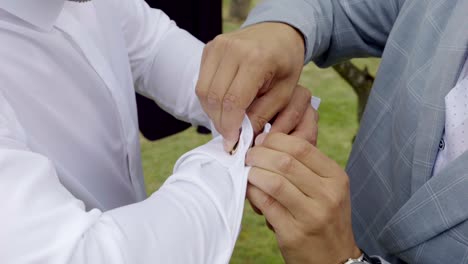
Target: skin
{"points": [[243, 72], [303, 194], [305, 198]]}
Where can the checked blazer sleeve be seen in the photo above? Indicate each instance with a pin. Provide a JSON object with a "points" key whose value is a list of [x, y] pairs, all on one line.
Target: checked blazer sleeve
{"points": [[334, 30]]}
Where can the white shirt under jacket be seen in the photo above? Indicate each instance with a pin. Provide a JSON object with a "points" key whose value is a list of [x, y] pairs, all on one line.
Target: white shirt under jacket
{"points": [[71, 183]]}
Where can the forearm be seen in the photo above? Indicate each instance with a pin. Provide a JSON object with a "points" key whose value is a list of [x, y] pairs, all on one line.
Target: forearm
{"points": [[301, 15], [42, 222], [194, 217], [178, 224]]}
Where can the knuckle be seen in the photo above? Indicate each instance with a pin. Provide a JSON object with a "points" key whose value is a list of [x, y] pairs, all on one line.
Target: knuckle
{"points": [[220, 39], [285, 163], [238, 44], [335, 204], [233, 45], [268, 203], [201, 92], [321, 219], [226, 42], [293, 115], [303, 149], [213, 98], [278, 186], [231, 101]]}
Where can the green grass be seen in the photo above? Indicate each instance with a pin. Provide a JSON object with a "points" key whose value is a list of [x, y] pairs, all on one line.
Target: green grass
{"points": [[337, 127]]}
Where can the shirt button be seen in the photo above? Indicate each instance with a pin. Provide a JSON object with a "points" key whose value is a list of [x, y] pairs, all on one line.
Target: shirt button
{"points": [[442, 144]]}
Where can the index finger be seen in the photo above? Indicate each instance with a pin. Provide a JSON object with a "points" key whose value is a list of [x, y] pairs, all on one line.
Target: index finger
{"points": [[242, 92]]}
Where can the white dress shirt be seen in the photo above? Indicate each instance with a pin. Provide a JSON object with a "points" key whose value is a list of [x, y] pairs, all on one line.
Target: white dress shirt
{"points": [[455, 139], [71, 184]]}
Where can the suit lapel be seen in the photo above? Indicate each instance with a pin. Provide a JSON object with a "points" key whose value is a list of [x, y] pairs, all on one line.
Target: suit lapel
{"points": [[401, 232], [448, 62]]}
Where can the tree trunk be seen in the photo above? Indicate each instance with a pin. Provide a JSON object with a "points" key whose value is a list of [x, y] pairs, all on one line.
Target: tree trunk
{"points": [[360, 80], [239, 9]]}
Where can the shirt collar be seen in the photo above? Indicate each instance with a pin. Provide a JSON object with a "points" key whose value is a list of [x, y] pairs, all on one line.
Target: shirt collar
{"points": [[40, 13]]}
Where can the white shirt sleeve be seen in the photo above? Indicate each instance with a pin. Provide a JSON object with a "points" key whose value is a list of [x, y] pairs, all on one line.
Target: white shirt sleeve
{"points": [[165, 59], [193, 218]]}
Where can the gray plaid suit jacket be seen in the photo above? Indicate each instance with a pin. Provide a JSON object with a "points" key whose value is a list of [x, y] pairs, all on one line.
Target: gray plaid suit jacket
{"points": [[400, 210]]}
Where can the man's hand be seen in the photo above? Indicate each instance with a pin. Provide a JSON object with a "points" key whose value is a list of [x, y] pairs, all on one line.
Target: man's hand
{"points": [[298, 118], [254, 71], [305, 197]]}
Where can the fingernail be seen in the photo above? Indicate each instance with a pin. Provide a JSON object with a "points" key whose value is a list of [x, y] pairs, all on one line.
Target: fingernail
{"points": [[230, 142], [260, 138], [229, 145]]}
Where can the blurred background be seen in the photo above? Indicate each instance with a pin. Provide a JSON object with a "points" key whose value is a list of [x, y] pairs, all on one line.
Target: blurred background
{"points": [[343, 89]]}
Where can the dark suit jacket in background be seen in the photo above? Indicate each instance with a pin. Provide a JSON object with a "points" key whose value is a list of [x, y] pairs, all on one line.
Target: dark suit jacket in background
{"points": [[203, 19]]}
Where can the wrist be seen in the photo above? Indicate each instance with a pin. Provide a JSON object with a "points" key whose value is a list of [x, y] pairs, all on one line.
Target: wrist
{"points": [[295, 38], [289, 38]]}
